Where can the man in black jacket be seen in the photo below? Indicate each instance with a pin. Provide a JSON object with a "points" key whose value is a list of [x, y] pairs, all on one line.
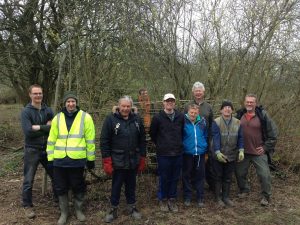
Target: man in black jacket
{"points": [[166, 132], [36, 121], [123, 148]]}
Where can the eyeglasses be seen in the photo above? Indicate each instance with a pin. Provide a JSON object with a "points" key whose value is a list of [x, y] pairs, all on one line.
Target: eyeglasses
{"points": [[40, 93], [170, 100]]}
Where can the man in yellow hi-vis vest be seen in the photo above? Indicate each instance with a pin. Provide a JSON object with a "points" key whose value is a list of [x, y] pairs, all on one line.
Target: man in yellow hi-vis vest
{"points": [[71, 147]]}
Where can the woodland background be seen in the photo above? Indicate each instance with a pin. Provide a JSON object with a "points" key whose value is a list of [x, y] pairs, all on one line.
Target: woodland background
{"points": [[105, 49]]}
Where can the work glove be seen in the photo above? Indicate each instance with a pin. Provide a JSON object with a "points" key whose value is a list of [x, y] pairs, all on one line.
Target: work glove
{"points": [[142, 165], [90, 165], [221, 157], [241, 155], [107, 165]]}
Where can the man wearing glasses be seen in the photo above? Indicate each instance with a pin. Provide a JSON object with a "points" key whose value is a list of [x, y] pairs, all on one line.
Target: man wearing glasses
{"points": [[36, 121], [260, 136]]}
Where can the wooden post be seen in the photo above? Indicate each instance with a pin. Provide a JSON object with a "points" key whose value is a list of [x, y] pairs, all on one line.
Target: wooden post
{"points": [[61, 62], [44, 184]]}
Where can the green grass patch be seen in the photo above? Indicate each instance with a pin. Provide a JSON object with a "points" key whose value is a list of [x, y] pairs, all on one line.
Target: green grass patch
{"points": [[11, 163]]}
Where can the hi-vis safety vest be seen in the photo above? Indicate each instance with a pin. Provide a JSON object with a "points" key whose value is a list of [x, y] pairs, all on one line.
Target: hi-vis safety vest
{"points": [[79, 143]]}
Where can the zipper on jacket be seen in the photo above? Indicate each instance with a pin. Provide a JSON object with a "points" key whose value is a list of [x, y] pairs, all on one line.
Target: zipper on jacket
{"points": [[195, 135]]}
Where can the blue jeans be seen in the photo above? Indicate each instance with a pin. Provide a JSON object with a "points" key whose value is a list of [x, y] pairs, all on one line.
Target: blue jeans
{"points": [[32, 158], [169, 170], [193, 174], [128, 177]]}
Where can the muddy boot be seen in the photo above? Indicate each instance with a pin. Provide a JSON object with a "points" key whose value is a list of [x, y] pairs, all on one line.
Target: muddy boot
{"points": [[78, 202], [173, 205], [134, 212], [163, 205], [218, 199], [29, 213], [63, 202], [111, 215], [225, 194], [200, 203]]}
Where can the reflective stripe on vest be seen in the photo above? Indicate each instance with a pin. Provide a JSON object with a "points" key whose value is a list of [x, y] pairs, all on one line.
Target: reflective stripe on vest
{"points": [[69, 148], [71, 143], [81, 128], [50, 143], [90, 141]]}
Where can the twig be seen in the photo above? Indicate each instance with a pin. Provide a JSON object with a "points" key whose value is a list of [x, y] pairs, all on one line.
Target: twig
{"points": [[13, 148]]}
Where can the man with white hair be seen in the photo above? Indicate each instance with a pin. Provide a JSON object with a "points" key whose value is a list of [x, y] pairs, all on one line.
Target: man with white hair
{"points": [[123, 149], [205, 111]]}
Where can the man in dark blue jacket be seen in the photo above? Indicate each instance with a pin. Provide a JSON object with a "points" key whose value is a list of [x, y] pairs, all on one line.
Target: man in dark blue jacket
{"points": [[228, 146], [166, 132], [36, 121], [123, 149]]}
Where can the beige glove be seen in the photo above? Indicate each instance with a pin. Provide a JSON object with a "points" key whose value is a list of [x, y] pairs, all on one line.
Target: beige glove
{"points": [[241, 155]]}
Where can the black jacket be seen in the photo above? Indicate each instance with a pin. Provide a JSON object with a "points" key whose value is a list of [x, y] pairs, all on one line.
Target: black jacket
{"points": [[123, 140], [166, 134], [33, 116]]}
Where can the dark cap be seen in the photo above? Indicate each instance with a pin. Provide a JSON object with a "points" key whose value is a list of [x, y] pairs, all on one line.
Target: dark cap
{"points": [[226, 103], [70, 94]]}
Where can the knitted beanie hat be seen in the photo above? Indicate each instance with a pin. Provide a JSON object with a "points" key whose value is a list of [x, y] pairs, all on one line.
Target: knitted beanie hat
{"points": [[226, 103], [70, 94]]}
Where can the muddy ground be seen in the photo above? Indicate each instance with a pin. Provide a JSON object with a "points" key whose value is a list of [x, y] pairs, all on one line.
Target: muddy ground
{"points": [[283, 210]]}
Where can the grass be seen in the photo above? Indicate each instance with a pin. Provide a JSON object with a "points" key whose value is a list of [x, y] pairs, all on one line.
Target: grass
{"points": [[10, 163], [11, 139]]}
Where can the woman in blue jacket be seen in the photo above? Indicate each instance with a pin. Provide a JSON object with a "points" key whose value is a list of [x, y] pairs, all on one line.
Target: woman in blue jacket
{"points": [[195, 146]]}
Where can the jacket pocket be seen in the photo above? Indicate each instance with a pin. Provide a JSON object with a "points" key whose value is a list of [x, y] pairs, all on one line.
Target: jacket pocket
{"points": [[118, 158]]}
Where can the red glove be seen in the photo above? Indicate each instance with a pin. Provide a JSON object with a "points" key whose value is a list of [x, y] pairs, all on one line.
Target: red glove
{"points": [[142, 164], [107, 165]]}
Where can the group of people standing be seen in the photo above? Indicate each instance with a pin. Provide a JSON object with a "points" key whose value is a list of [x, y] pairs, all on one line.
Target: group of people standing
{"points": [[65, 145]]}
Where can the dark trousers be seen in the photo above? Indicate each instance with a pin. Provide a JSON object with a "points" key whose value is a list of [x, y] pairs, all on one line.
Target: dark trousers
{"points": [[209, 172], [223, 171], [32, 158], [260, 163], [193, 174], [169, 170], [128, 177], [66, 178]]}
